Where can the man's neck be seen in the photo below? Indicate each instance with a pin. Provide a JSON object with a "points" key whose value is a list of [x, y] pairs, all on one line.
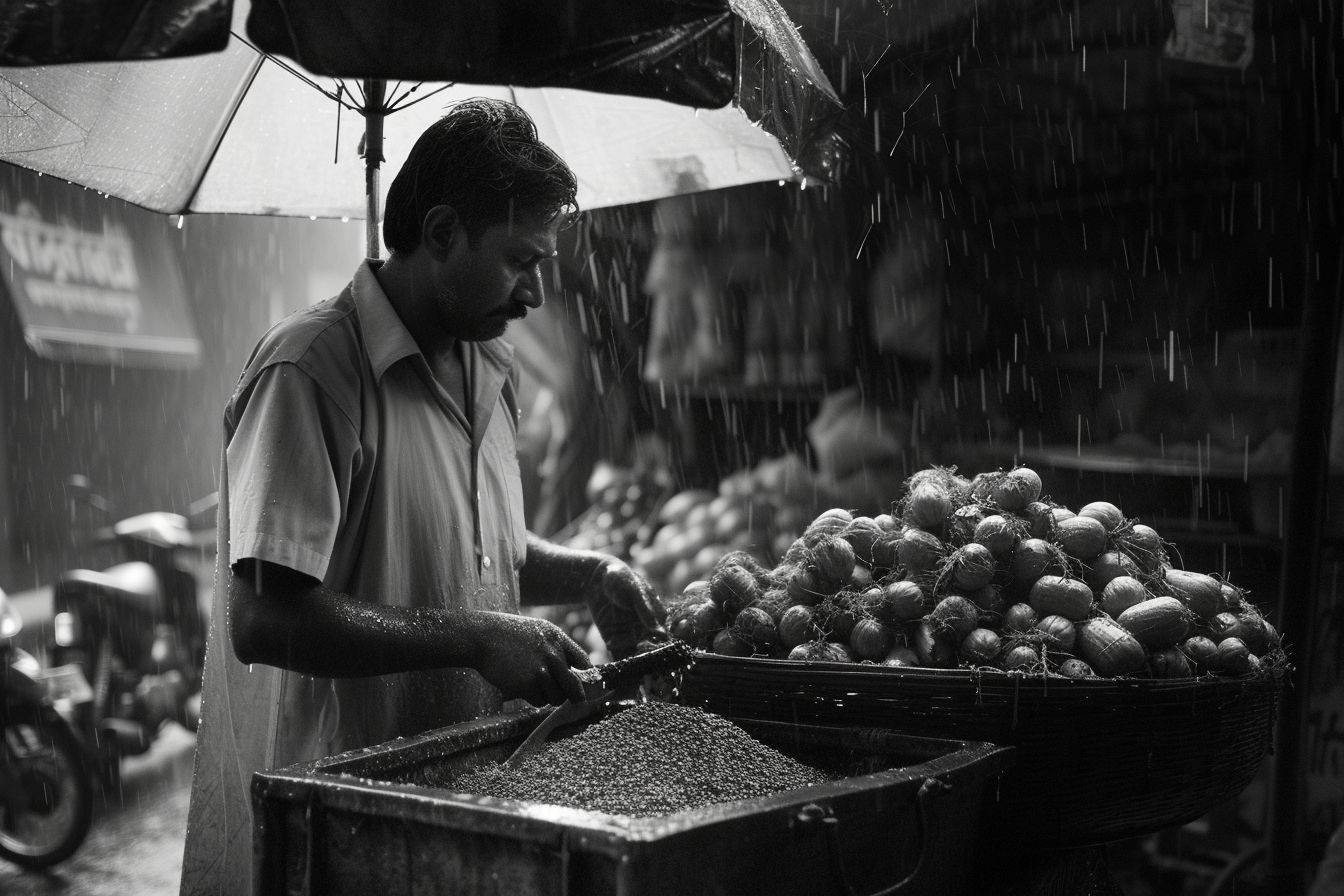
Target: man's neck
{"points": [[400, 282]]}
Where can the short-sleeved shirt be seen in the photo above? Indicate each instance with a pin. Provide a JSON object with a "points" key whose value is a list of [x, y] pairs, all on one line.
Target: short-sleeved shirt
{"points": [[346, 460]]}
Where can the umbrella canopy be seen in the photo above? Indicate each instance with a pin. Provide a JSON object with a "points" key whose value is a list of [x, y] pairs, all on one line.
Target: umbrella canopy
{"points": [[234, 132], [239, 131]]}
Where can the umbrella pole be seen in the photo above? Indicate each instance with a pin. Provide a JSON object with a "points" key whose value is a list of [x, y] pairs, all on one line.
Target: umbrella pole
{"points": [[375, 92]]}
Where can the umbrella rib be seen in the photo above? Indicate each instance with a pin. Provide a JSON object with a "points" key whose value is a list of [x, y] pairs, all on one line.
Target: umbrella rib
{"points": [[397, 105], [219, 136], [298, 73]]}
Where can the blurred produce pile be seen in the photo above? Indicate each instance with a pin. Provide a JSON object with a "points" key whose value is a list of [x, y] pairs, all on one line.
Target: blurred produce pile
{"points": [[979, 572], [622, 502], [756, 511]]}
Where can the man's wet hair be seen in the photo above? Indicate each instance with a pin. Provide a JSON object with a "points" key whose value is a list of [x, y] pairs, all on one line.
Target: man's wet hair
{"points": [[483, 158]]}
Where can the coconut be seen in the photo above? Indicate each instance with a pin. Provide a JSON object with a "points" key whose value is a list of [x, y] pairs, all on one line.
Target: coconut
{"points": [[1203, 594], [1016, 489], [1199, 650], [1019, 619], [954, 616], [997, 533], [1144, 545], [981, 647], [1121, 593], [829, 522], [803, 587], [871, 640], [970, 567], [927, 506], [1105, 513], [1021, 658], [1033, 558], [1081, 537], [946, 478], [920, 550], [833, 562], [1107, 566], [861, 533], [1170, 662], [729, 643], [887, 523], [775, 602], [754, 626], [885, 551], [901, 656], [1232, 656], [733, 587], [1040, 519], [797, 553], [1059, 633], [1076, 668], [796, 626], [902, 601], [822, 652], [696, 622]]}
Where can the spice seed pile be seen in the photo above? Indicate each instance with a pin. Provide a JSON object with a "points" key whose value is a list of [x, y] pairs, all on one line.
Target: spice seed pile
{"points": [[651, 759]]}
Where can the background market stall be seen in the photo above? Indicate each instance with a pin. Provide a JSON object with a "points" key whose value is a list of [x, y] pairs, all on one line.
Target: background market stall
{"points": [[1138, 275]]}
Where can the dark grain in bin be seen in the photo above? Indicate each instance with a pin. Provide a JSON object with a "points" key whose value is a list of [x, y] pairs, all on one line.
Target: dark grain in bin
{"points": [[651, 759]]}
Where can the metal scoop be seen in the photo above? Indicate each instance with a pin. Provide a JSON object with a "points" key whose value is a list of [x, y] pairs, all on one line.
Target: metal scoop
{"points": [[600, 685]]}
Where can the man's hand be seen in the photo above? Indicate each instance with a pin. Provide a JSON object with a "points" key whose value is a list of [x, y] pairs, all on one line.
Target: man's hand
{"points": [[623, 604], [626, 609], [286, 619], [528, 657]]}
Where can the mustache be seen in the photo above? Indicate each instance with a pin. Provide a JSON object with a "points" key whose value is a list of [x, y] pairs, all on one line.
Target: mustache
{"points": [[514, 311]]}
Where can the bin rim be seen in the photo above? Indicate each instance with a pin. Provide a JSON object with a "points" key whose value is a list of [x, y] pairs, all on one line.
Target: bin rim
{"points": [[327, 784]]}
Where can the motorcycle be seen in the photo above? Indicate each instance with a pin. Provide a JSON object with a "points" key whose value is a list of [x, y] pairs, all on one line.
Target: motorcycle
{"points": [[46, 786], [136, 631]]}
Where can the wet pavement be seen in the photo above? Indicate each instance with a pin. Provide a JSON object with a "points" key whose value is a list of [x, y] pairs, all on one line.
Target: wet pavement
{"points": [[135, 845]]}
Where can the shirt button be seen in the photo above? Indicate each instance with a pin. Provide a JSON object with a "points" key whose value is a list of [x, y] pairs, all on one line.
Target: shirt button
{"points": [[485, 561]]}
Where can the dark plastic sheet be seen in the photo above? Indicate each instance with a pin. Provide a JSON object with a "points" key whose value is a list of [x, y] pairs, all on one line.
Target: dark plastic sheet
{"points": [[677, 50], [48, 32]]}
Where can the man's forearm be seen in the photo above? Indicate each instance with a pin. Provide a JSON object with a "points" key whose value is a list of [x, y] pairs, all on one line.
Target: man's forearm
{"points": [[304, 626], [554, 574]]}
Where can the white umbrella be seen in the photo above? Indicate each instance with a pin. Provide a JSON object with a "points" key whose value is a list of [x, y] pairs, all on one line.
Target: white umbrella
{"points": [[238, 132]]}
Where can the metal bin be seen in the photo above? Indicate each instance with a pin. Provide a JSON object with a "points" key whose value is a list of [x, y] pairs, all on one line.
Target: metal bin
{"points": [[904, 819]]}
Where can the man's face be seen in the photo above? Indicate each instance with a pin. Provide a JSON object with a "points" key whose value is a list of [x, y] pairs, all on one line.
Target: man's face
{"points": [[482, 287]]}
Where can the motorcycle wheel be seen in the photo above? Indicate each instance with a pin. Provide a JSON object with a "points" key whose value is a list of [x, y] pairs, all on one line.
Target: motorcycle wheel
{"points": [[47, 821]]}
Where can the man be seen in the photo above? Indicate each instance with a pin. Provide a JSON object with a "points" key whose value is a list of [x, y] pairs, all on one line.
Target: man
{"points": [[373, 554]]}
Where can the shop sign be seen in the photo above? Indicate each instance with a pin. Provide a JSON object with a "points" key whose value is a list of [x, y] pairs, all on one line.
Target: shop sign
{"points": [[100, 288], [1212, 32]]}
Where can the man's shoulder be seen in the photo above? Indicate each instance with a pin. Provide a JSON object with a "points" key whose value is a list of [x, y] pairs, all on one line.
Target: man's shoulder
{"points": [[323, 341], [310, 335]]}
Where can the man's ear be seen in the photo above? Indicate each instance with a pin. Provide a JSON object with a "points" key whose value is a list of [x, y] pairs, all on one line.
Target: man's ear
{"points": [[440, 230]]}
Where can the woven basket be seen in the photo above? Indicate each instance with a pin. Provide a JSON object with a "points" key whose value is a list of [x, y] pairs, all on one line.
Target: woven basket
{"points": [[1097, 760]]}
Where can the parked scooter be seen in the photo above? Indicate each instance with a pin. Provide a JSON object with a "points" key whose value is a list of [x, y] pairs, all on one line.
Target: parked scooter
{"points": [[46, 786], [137, 632]]}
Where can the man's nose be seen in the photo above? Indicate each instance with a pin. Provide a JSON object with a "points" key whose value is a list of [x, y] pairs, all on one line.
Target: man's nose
{"points": [[530, 291]]}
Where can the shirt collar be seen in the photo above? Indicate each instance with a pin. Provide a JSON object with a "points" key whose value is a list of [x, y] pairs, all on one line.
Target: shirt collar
{"points": [[386, 338]]}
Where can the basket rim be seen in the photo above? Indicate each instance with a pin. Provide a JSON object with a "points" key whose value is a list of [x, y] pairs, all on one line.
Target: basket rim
{"points": [[1270, 673]]}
